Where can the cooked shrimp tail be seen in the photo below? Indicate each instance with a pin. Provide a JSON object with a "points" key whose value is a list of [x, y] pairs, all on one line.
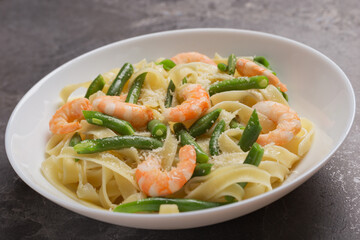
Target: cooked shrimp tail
{"points": [[287, 120], [248, 68], [115, 106], [155, 182], [66, 119], [188, 57], [197, 102]]}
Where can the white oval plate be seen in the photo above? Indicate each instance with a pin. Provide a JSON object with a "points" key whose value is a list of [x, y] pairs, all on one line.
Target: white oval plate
{"points": [[318, 90]]}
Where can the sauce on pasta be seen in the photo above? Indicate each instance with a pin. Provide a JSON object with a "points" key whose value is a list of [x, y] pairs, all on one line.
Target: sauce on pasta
{"points": [[109, 178]]}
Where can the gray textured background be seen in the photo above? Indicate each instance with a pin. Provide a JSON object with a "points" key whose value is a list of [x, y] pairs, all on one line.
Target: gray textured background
{"points": [[38, 36]]}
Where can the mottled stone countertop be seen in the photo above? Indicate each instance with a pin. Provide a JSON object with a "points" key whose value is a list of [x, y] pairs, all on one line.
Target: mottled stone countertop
{"points": [[38, 36]]}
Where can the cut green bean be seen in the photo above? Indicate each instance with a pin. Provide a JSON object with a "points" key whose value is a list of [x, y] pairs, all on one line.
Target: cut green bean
{"points": [[184, 81], [187, 139], [96, 121], [167, 64], [135, 89], [283, 94], [119, 82], [242, 83], [115, 143], [153, 205], [177, 127], [242, 184], [254, 157], [251, 132], [214, 140], [262, 60], [230, 199], [157, 129], [264, 63], [222, 67], [96, 85], [120, 126], [202, 169], [169, 94], [75, 139], [235, 124], [204, 123], [231, 64]]}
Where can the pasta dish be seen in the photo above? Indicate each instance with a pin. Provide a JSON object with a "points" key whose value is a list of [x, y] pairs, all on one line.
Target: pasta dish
{"points": [[175, 135]]}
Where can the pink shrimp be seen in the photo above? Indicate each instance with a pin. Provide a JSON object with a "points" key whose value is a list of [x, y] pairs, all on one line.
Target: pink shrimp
{"points": [[155, 182], [197, 101], [115, 106], [288, 123], [189, 57], [66, 119], [122, 97], [248, 68]]}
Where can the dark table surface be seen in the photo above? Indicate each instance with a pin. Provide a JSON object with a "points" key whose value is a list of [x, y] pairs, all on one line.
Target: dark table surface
{"points": [[38, 36]]}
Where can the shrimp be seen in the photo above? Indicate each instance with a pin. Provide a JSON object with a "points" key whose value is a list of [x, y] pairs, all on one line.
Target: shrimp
{"points": [[115, 106], [288, 123], [189, 57], [197, 101], [155, 182], [65, 119], [248, 68], [122, 97]]}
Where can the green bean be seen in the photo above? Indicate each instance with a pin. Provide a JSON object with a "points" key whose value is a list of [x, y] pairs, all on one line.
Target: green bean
{"points": [[242, 184], [242, 83], [235, 124], [135, 89], [204, 123], [167, 64], [222, 67], [187, 139], [96, 85], [214, 140], [123, 76], [157, 129], [254, 157], [283, 94], [231, 64], [251, 132], [169, 94], [230, 199], [120, 126], [262, 60], [117, 142], [264, 63], [184, 81], [75, 139], [177, 127], [153, 205], [202, 169]]}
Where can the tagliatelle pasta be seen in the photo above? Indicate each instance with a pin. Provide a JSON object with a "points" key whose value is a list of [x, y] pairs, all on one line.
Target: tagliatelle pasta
{"points": [[113, 177]]}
